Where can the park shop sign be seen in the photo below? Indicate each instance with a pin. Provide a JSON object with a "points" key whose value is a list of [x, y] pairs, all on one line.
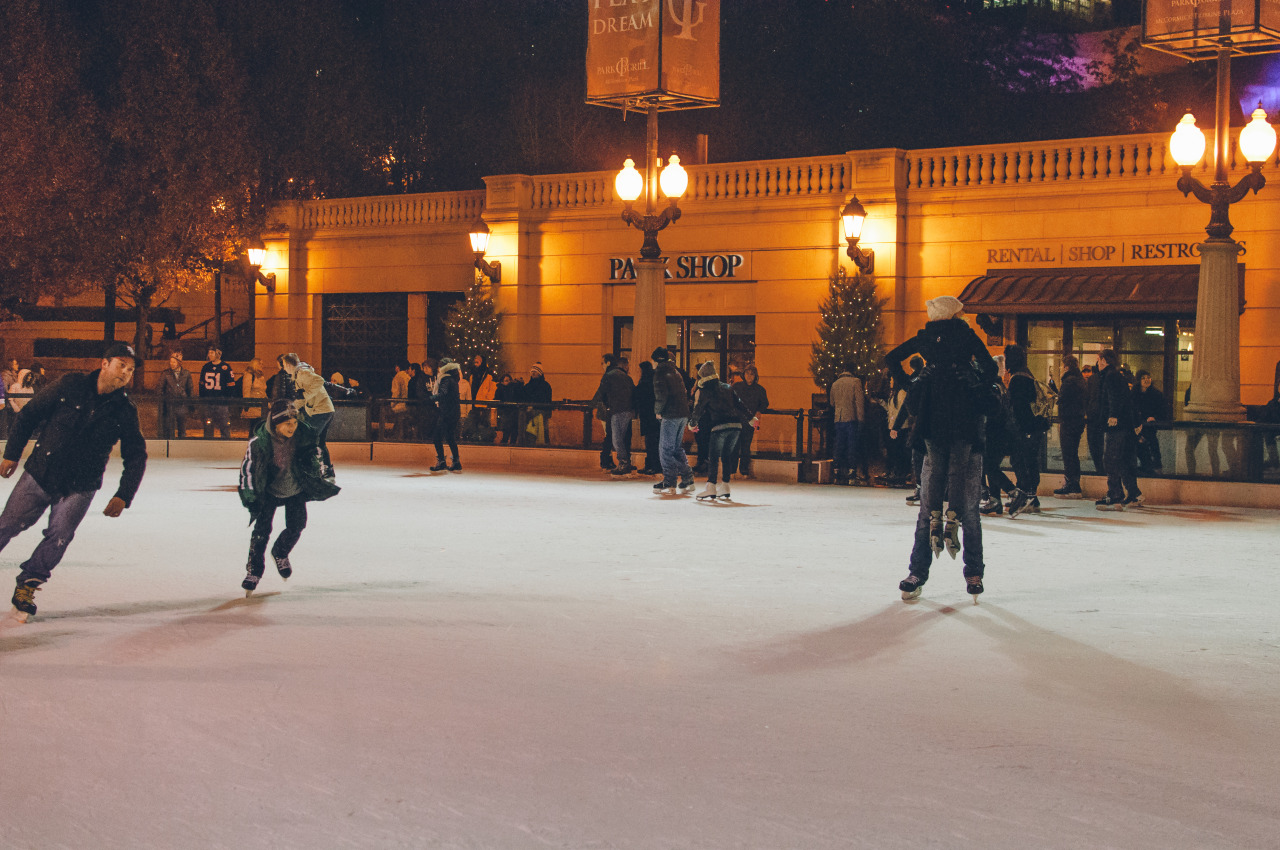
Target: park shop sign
{"points": [[684, 267]]}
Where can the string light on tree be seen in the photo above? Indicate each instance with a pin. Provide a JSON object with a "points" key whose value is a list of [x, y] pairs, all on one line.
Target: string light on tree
{"points": [[472, 325], [849, 331]]}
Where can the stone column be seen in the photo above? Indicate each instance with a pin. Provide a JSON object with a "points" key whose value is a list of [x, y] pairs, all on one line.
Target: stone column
{"points": [[649, 328], [1215, 368]]}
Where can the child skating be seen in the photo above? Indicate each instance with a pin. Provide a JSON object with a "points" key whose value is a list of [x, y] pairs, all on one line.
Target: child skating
{"points": [[284, 464]]}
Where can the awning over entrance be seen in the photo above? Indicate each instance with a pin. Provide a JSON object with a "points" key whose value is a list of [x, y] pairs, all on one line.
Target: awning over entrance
{"points": [[1149, 290]]}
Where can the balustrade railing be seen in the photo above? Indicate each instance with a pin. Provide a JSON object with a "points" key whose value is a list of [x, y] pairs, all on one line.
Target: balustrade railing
{"points": [[390, 210]]}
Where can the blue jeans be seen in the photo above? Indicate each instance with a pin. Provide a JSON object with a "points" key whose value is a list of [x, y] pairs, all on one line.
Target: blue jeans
{"points": [[26, 504], [620, 423], [845, 446], [951, 473], [321, 422], [721, 451], [671, 451]]}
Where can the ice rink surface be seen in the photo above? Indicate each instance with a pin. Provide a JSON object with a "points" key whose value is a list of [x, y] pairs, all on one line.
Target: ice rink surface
{"points": [[492, 660]]}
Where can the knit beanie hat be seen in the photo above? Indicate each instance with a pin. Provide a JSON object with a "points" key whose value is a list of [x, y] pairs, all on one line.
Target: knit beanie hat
{"points": [[537, 369], [944, 307], [282, 409], [707, 370], [660, 354]]}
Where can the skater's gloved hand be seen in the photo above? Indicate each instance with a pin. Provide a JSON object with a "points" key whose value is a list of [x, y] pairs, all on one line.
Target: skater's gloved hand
{"points": [[1113, 422], [7, 467], [114, 508]]}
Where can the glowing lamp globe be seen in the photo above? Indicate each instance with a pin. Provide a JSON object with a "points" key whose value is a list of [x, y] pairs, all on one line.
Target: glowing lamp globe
{"points": [[628, 184], [852, 216], [257, 251], [1258, 138], [674, 179], [1187, 142], [479, 237]]}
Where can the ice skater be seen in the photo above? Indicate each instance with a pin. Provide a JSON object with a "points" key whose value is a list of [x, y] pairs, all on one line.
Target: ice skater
{"points": [[284, 464], [80, 419], [724, 415], [951, 399], [671, 405]]}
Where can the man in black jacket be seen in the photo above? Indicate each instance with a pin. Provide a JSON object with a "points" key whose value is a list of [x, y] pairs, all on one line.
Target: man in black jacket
{"points": [[82, 417], [1071, 424], [1116, 403]]}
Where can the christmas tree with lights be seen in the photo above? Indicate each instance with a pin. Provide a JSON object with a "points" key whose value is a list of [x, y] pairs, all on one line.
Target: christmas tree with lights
{"points": [[849, 331], [471, 328]]}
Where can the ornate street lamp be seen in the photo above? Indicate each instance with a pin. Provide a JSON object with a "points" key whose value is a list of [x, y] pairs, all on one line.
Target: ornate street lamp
{"points": [[257, 251], [1187, 144], [629, 185], [1215, 371], [479, 244], [852, 217]]}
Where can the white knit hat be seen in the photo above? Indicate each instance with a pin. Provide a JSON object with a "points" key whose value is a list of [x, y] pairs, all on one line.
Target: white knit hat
{"points": [[943, 307]]}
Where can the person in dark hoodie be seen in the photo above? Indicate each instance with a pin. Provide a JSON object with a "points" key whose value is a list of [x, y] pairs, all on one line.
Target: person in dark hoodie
{"points": [[1027, 433], [671, 405], [1071, 425], [724, 413], [285, 465], [1117, 413], [537, 394], [448, 413], [614, 396], [756, 401], [80, 419], [642, 403], [951, 399]]}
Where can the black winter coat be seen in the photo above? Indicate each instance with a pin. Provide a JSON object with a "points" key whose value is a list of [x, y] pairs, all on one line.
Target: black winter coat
{"points": [[80, 428], [615, 391], [311, 467], [1071, 398], [670, 398], [718, 406], [446, 395], [753, 396], [1115, 400], [642, 402], [959, 372]]}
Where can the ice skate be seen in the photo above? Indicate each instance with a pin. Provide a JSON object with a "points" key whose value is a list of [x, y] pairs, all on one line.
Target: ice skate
{"points": [[250, 583], [623, 470], [910, 587], [24, 605], [974, 586], [935, 532], [708, 493], [685, 485], [662, 488], [1068, 491], [1018, 503], [722, 491], [914, 498], [1109, 504], [440, 466], [1133, 500], [456, 466], [991, 507], [283, 566], [951, 535]]}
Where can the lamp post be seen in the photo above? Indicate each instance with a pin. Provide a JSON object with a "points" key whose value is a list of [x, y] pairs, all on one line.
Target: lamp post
{"points": [[1215, 370], [479, 244], [257, 251], [852, 218], [649, 328]]}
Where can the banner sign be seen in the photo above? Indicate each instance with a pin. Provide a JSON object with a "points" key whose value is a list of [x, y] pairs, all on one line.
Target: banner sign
{"points": [[666, 51], [1198, 28]]}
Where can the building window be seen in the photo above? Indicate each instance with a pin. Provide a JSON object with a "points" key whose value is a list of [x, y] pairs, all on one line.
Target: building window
{"points": [[1161, 346], [727, 341]]}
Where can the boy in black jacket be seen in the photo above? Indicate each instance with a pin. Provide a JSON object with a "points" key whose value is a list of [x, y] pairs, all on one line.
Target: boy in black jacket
{"points": [[284, 464]]}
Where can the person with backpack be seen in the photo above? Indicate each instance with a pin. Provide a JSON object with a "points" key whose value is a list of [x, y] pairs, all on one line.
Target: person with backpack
{"points": [[1030, 402], [951, 400]]}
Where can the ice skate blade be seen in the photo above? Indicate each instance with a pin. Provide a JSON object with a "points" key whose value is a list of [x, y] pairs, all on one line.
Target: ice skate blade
{"points": [[249, 592], [974, 597], [17, 618], [911, 595]]}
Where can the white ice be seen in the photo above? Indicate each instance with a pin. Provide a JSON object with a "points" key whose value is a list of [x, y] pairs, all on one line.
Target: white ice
{"points": [[493, 660]]}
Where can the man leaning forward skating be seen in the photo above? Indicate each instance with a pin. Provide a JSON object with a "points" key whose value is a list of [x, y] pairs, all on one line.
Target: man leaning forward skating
{"points": [[80, 419]]}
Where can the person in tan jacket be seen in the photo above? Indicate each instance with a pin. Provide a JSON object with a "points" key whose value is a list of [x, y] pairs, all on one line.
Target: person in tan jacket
{"points": [[315, 393]]}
